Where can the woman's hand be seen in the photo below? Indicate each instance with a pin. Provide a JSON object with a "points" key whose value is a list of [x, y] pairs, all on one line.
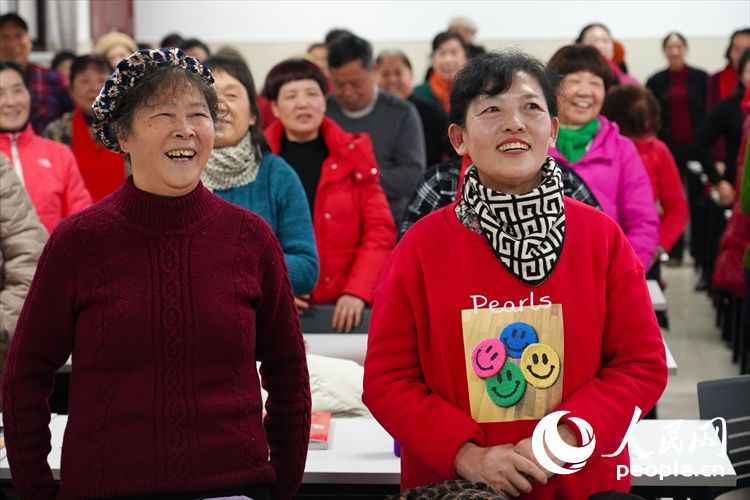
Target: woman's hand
{"points": [[726, 193], [347, 313], [302, 302], [501, 467], [523, 447]]}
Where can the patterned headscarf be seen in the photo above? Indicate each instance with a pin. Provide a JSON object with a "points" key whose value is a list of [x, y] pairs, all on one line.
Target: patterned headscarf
{"points": [[128, 72]]}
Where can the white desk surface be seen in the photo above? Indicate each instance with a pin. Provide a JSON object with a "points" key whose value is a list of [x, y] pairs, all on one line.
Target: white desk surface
{"points": [[338, 345], [361, 452], [671, 363], [657, 296]]}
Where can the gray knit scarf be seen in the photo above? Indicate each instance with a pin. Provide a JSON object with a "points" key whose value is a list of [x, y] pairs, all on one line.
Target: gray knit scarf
{"points": [[232, 166], [527, 231]]}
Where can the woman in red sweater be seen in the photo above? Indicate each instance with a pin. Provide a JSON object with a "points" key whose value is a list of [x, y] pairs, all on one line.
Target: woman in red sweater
{"points": [[165, 295], [636, 112], [102, 170], [354, 229], [509, 304]]}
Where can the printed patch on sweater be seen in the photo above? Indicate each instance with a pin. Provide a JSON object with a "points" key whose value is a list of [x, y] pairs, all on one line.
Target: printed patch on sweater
{"points": [[514, 362]]}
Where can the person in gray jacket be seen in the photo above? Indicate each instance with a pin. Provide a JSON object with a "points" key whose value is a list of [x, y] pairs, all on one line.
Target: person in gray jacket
{"points": [[393, 125], [22, 238]]}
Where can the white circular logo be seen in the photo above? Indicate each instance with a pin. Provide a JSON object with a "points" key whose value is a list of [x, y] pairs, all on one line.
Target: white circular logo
{"points": [[547, 443]]}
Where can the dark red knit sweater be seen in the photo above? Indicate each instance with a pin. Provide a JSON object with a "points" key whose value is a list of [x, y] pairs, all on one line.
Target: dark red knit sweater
{"points": [[166, 304]]}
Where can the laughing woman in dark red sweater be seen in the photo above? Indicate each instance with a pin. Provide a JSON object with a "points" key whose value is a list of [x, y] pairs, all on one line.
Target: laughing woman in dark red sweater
{"points": [[165, 296]]}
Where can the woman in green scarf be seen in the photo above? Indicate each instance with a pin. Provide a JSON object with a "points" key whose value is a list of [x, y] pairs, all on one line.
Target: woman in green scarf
{"points": [[593, 147]]}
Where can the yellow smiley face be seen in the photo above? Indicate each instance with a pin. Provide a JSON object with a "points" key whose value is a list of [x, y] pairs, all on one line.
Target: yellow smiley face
{"points": [[540, 365]]}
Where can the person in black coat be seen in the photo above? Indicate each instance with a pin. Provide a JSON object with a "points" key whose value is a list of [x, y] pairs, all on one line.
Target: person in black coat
{"points": [[395, 77], [681, 91]]}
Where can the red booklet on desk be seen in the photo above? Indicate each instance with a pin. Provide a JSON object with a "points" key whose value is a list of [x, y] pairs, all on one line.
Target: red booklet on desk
{"points": [[320, 425]]}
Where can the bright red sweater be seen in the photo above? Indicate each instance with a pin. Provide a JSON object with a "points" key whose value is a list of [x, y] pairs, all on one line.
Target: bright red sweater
{"points": [[416, 381], [165, 304], [667, 187]]}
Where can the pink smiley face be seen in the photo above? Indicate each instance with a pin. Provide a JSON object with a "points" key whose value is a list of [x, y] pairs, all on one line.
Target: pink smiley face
{"points": [[488, 357]]}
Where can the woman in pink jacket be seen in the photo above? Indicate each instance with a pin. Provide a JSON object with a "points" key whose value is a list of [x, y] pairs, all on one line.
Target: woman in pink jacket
{"points": [[47, 169], [593, 147], [354, 229]]}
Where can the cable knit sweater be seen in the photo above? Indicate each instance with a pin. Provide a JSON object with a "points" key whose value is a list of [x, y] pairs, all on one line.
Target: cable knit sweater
{"points": [[165, 304]]}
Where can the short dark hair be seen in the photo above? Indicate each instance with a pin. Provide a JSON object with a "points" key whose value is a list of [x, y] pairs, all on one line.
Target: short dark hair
{"points": [[334, 33], [492, 74], [394, 53], [292, 70], [744, 61], [12, 17], [347, 48], [240, 71], [635, 110], [145, 88], [579, 57], [171, 40], [82, 63], [194, 42], [445, 36], [670, 35], [60, 57], [728, 52], [18, 69], [588, 27]]}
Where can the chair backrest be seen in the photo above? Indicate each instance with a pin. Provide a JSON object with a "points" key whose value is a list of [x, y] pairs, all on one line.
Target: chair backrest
{"points": [[317, 319], [730, 398]]}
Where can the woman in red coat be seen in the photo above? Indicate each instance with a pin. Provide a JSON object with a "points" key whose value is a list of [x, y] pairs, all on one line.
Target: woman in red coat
{"points": [[354, 229]]}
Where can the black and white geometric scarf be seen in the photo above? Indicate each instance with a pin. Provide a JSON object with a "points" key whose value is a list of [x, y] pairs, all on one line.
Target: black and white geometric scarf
{"points": [[525, 231], [232, 166]]}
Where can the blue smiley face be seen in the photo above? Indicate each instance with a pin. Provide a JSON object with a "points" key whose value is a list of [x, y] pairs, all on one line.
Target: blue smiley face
{"points": [[516, 337]]}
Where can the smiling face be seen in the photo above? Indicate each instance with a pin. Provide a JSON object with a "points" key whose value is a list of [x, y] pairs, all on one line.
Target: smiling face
{"points": [[508, 136], [581, 97], [352, 84], [394, 76], [170, 140], [488, 357], [117, 53], [85, 88], [674, 51], [15, 101], [540, 365], [232, 126], [516, 337], [448, 59], [507, 387], [300, 107], [15, 44], [601, 39]]}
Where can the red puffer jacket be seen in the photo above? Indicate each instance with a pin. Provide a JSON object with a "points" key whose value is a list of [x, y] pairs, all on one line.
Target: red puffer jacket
{"points": [[354, 229], [50, 174]]}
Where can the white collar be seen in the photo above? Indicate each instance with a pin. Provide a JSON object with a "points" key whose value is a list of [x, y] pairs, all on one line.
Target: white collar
{"points": [[356, 115]]}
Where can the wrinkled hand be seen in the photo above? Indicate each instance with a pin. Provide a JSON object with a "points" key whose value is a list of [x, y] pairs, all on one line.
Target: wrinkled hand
{"points": [[726, 193], [501, 467], [302, 302], [348, 313], [523, 447]]}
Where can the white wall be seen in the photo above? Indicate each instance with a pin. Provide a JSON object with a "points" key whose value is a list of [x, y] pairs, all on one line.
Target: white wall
{"points": [[220, 21], [268, 31]]}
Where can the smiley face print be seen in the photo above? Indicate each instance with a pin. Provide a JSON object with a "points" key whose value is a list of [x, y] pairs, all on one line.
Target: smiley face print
{"points": [[540, 365], [508, 386], [488, 357], [516, 337]]}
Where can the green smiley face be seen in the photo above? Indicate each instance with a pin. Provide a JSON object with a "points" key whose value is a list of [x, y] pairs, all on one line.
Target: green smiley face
{"points": [[508, 386]]}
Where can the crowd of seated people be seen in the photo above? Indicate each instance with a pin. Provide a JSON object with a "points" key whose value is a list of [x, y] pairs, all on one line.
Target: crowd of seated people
{"points": [[342, 153]]}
